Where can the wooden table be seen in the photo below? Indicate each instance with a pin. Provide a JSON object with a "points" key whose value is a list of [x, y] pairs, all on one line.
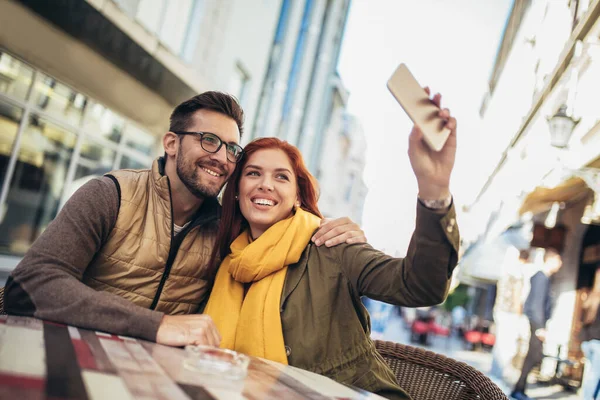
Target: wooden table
{"points": [[41, 360]]}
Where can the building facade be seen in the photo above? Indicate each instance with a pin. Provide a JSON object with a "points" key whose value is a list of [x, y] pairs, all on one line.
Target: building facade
{"points": [[340, 172], [87, 86], [297, 97], [303, 101], [548, 65]]}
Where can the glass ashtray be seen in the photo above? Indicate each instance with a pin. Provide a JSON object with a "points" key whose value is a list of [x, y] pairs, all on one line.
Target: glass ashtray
{"points": [[214, 361]]}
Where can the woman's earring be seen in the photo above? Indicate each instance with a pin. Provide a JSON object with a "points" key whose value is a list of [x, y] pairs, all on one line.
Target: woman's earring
{"points": [[297, 205], [236, 197]]}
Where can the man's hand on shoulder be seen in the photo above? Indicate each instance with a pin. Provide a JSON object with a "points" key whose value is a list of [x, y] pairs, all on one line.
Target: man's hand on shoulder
{"points": [[181, 330], [335, 231]]}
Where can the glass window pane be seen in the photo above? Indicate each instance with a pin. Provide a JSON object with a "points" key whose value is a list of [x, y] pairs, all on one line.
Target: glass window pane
{"points": [[59, 100], [192, 35], [130, 163], [94, 159], [129, 7], [15, 76], [139, 140], [37, 184], [149, 14], [239, 83], [175, 24], [101, 121], [10, 117]]}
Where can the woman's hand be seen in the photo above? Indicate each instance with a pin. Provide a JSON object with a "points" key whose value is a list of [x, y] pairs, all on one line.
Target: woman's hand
{"points": [[432, 168], [335, 231]]}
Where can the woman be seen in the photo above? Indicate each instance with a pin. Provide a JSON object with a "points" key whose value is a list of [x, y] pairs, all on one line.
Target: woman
{"points": [[279, 297]]}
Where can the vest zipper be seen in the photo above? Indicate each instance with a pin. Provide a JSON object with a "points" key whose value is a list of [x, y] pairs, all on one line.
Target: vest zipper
{"points": [[172, 253]]}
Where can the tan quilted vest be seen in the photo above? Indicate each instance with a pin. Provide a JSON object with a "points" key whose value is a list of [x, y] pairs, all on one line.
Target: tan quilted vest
{"points": [[134, 262]]}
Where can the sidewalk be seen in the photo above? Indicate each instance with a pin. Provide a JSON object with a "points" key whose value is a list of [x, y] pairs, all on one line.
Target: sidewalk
{"points": [[482, 360]]}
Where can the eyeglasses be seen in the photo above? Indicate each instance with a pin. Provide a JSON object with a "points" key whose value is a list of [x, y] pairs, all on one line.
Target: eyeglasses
{"points": [[212, 143]]}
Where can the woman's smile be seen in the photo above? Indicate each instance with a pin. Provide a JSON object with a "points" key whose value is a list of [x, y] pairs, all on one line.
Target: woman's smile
{"points": [[267, 189]]}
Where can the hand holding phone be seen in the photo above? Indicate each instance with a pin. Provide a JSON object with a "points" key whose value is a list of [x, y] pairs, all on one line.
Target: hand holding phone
{"points": [[432, 141], [416, 103]]}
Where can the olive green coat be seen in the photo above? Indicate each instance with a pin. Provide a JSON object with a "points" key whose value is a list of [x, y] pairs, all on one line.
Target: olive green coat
{"points": [[325, 326]]}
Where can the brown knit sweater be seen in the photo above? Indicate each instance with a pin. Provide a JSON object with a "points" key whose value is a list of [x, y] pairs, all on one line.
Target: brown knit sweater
{"points": [[47, 282]]}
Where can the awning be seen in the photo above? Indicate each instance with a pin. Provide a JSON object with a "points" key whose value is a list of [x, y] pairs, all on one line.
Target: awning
{"points": [[482, 261], [541, 199]]}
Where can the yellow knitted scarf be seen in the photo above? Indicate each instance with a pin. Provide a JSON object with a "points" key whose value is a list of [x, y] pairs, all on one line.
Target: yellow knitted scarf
{"points": [[251, 324]]}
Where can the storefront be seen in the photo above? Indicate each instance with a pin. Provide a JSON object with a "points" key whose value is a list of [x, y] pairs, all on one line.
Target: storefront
{"points": [[53, 139]]}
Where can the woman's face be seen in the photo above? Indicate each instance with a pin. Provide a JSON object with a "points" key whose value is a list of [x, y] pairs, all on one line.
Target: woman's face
{"points": [[267, 189]]}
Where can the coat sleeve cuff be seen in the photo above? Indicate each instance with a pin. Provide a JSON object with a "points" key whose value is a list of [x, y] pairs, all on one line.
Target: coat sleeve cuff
{"points": [[438, 225], [146, 325]]}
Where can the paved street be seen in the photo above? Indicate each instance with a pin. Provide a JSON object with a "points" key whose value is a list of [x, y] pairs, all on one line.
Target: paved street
{"points": [[482, 360]]}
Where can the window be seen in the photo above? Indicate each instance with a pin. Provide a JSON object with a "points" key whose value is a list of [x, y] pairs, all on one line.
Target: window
{"points": [[102, 122], [94, 160], [175, 24], [36, 185], [149, 14], [15, 76], [129, 7], [168, 20], [59, 100], [10, 117], [239, 83], [60, 139], [138, 139], [192, 34]]}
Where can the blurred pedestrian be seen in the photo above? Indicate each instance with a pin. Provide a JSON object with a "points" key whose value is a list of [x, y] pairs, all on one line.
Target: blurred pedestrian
{"points": [[459, 314], [507, 311], [590, 340], [538, 308]]}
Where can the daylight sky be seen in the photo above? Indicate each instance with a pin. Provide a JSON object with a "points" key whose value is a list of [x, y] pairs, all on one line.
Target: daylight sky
{"points": [[449, 45]]}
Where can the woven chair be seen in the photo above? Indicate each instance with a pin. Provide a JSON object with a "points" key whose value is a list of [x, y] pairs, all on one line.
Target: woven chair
{"points": [[426, 375], [2, 312]]}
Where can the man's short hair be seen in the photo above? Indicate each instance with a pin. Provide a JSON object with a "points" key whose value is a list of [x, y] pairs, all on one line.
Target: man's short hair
{"points": [[524, 255], [216, 101]]}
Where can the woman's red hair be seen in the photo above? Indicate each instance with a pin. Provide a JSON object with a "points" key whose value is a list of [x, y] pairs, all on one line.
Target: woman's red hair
{"points": [[232, 221]]}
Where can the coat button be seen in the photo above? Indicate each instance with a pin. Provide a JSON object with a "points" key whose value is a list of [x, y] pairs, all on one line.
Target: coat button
{"points": [[452, 221], [288, 350], [450, 228]]}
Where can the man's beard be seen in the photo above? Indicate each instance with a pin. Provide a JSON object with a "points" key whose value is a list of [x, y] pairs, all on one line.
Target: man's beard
{"points": [[188, 174]]}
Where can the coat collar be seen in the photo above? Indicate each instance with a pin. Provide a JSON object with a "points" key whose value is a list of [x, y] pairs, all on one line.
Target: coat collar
{"points": [[294, 274]]}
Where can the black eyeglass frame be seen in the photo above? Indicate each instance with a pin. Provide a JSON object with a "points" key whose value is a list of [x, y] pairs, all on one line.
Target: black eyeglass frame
{"points": [[221, 142]]}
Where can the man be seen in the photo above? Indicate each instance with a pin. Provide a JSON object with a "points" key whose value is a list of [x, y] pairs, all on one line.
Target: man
{"points": [[590, 340], [128, 253], [538, 308]]}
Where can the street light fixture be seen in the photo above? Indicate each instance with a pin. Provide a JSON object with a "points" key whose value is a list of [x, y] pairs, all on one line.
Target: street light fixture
{"points": [[561, 127]]}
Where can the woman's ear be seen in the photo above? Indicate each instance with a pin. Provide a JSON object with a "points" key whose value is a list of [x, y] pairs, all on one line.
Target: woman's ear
{"points": [[171, 144]]}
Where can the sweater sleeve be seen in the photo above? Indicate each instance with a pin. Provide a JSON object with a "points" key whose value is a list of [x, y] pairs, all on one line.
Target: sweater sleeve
{"points": [[422, 278], [47, 282]]}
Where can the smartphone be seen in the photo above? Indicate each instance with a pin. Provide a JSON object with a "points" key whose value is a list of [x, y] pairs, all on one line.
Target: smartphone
{"points": [[421, 110]]}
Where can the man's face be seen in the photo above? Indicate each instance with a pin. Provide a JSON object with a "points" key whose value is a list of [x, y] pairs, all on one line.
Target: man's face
{"points": [[553, 263], [204, 173]]}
